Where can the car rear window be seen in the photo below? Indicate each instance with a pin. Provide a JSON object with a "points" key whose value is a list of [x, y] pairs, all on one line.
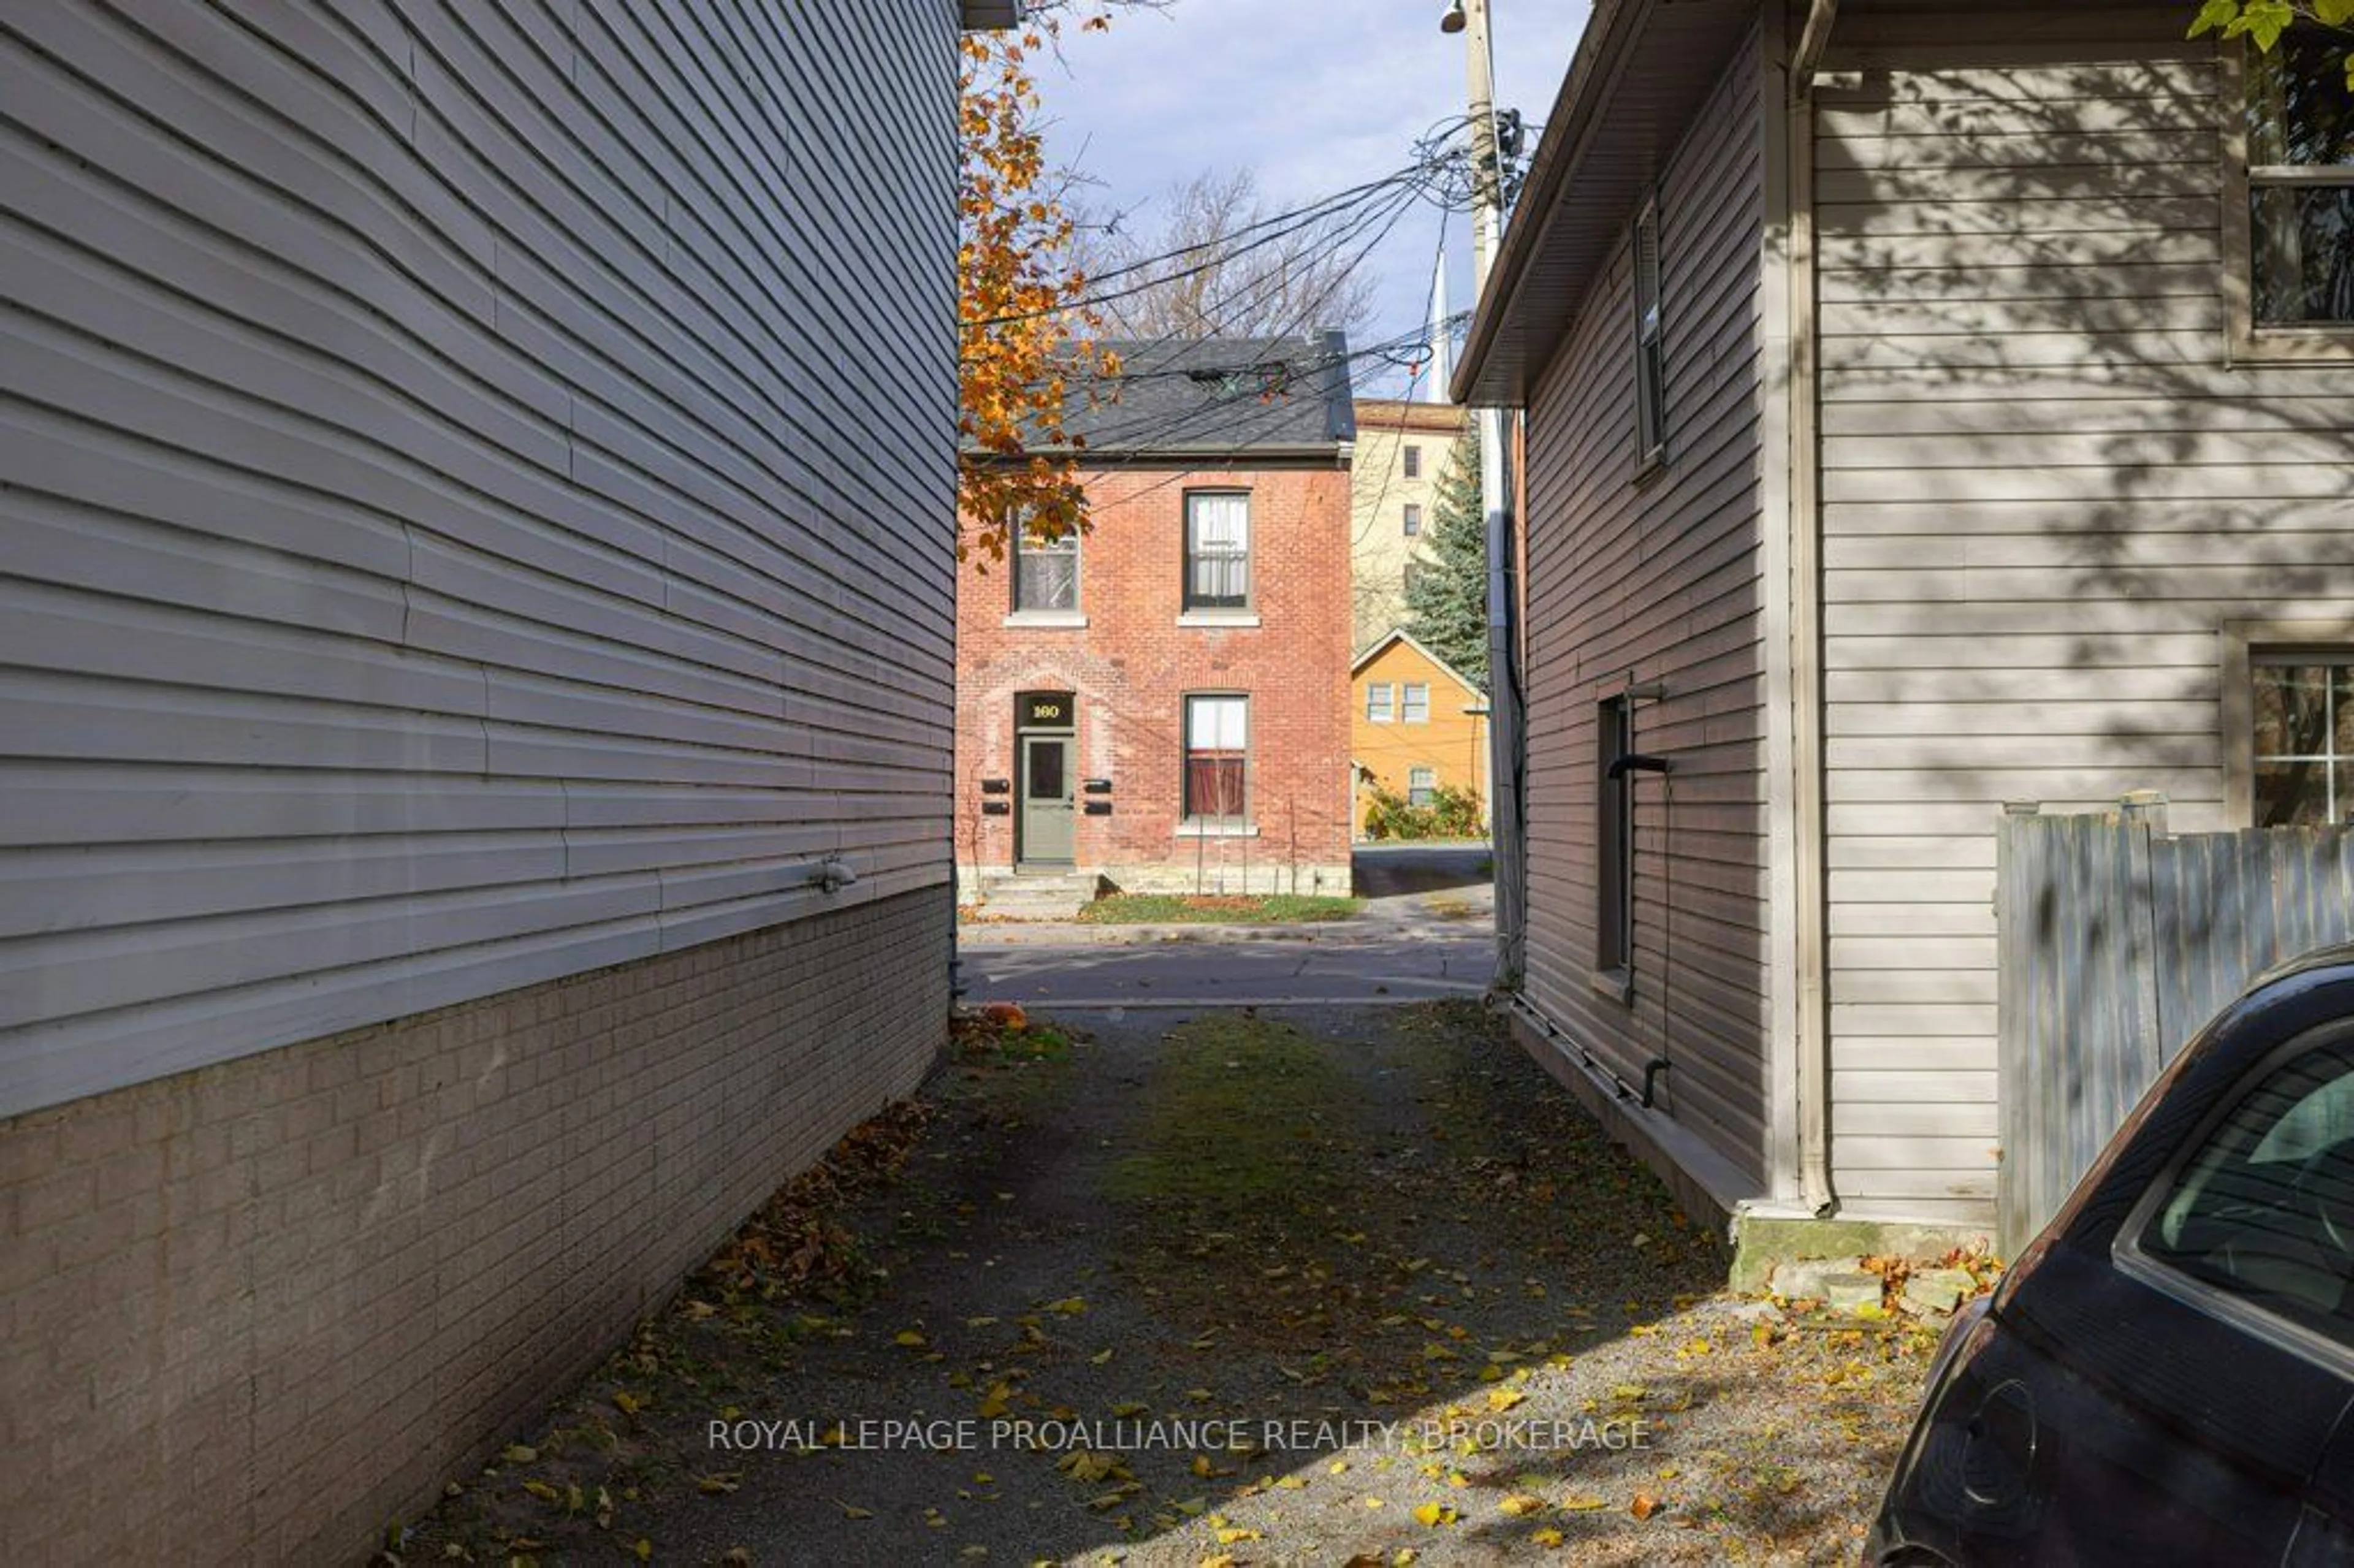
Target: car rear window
{"points": [[2263, 1209]]}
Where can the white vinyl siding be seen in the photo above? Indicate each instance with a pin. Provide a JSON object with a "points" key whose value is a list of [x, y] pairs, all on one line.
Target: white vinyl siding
{"points": [[1662, 579], [2045, 493], [475, 512]]}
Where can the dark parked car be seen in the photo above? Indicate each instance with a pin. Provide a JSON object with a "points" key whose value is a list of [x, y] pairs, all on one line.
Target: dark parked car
{"points": [[2165, 1374]]}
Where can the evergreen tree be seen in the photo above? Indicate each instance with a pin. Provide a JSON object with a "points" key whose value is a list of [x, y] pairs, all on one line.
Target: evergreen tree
{"points": [[1447, 603]]}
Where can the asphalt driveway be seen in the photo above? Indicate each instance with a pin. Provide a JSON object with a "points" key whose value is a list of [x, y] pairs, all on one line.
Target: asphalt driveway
{"points": [[1346, 1287]]}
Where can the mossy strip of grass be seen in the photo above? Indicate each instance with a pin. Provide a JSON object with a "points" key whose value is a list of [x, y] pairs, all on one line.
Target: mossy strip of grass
{"points": [[1243, 1116]]}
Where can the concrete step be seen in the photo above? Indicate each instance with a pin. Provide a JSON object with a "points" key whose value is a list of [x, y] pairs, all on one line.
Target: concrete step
{"points": [[1038, 896]]}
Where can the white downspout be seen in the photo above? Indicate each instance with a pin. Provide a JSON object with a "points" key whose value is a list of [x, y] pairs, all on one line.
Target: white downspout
{"points": [[1815, 1191]]}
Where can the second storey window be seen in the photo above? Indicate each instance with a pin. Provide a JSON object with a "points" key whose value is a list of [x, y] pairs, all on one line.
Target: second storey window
{"points": [[2304, 741], [1650, 344], [2300, 151], [1217, 550], [1045, 572], [1413, 519], [1415, 704], [1377, 702], [1412, 461], [1217, 758]]}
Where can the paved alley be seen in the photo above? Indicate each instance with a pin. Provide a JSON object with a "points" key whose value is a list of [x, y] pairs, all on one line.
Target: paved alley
{"points": [[1351, 1285]]}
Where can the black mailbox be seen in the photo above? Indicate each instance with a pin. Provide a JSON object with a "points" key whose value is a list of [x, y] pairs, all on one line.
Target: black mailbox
{"points": [[996, 808], [1098, 785], [996, 787]]}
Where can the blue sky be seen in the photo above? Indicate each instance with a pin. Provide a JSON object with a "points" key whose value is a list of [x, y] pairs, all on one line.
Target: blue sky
{"points": [[1313, 95]]}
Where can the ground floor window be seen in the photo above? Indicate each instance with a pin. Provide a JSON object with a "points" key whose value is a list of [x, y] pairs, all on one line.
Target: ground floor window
{"points": [[2304, 754], [1614, 915], [1217, 758], [1421, 786]]}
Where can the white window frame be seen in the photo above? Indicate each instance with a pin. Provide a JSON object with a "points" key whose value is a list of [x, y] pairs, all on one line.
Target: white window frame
{"points": [[1195, 508], [1019, 545], [1414, 703], [1380, 703], [2251, 343], [1232, 715], [1411, 519], [1421, 786], [1650, 344]]}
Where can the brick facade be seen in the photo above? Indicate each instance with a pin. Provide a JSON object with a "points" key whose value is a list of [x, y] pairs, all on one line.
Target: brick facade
{"points": [[1134, 658], [252, 1312]]}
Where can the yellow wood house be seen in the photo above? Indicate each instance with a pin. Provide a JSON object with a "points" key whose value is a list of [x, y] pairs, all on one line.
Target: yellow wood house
{"points": [[1418, 726]]}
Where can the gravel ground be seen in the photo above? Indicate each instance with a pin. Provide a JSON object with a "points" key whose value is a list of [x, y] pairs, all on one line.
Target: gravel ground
{"points": [[1352, 1288]]}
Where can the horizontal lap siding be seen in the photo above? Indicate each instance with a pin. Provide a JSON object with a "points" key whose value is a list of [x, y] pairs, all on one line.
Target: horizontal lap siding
{"points": [[477, 506], [2043, 493], [1660, 579]]}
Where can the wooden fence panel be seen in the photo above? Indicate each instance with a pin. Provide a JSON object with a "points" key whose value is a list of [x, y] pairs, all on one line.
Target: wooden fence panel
{"points": [[2118, 941]]}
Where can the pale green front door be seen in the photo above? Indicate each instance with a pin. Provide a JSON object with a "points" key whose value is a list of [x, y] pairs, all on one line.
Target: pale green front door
{"points": [[1048, 800]]}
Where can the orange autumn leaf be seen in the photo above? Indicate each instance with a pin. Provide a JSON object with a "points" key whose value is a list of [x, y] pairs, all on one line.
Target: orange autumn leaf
{"points": [[1023, 330]]}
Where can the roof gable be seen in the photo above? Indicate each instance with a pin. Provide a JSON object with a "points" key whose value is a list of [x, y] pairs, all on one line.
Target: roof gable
{"points": [[1401, 638]]}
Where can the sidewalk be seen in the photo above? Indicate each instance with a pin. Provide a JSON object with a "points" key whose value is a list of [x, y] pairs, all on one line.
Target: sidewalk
{"points": [[1413, 892], [1368, 928]]}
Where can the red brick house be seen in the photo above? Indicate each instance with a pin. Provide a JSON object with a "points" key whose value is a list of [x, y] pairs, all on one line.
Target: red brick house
{"points": [[1162, 705]]}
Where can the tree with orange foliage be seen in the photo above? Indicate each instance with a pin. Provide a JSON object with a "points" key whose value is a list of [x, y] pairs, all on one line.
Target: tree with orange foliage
{"points": [[1025, 335]]}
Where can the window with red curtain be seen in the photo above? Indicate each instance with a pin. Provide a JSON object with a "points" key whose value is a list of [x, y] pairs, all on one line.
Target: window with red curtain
{"points": [[1217, 758]]}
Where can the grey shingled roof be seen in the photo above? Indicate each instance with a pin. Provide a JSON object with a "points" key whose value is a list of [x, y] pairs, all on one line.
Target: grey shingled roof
{"points": [[1213, 396]]}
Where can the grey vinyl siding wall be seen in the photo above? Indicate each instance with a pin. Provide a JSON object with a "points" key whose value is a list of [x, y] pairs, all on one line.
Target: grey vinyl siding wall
{"points": [[1658, 579], [2045, 493], [476, 501]]}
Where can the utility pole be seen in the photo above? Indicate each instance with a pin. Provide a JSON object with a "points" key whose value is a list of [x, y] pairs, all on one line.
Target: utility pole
{"points": [[1504, 827]]}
